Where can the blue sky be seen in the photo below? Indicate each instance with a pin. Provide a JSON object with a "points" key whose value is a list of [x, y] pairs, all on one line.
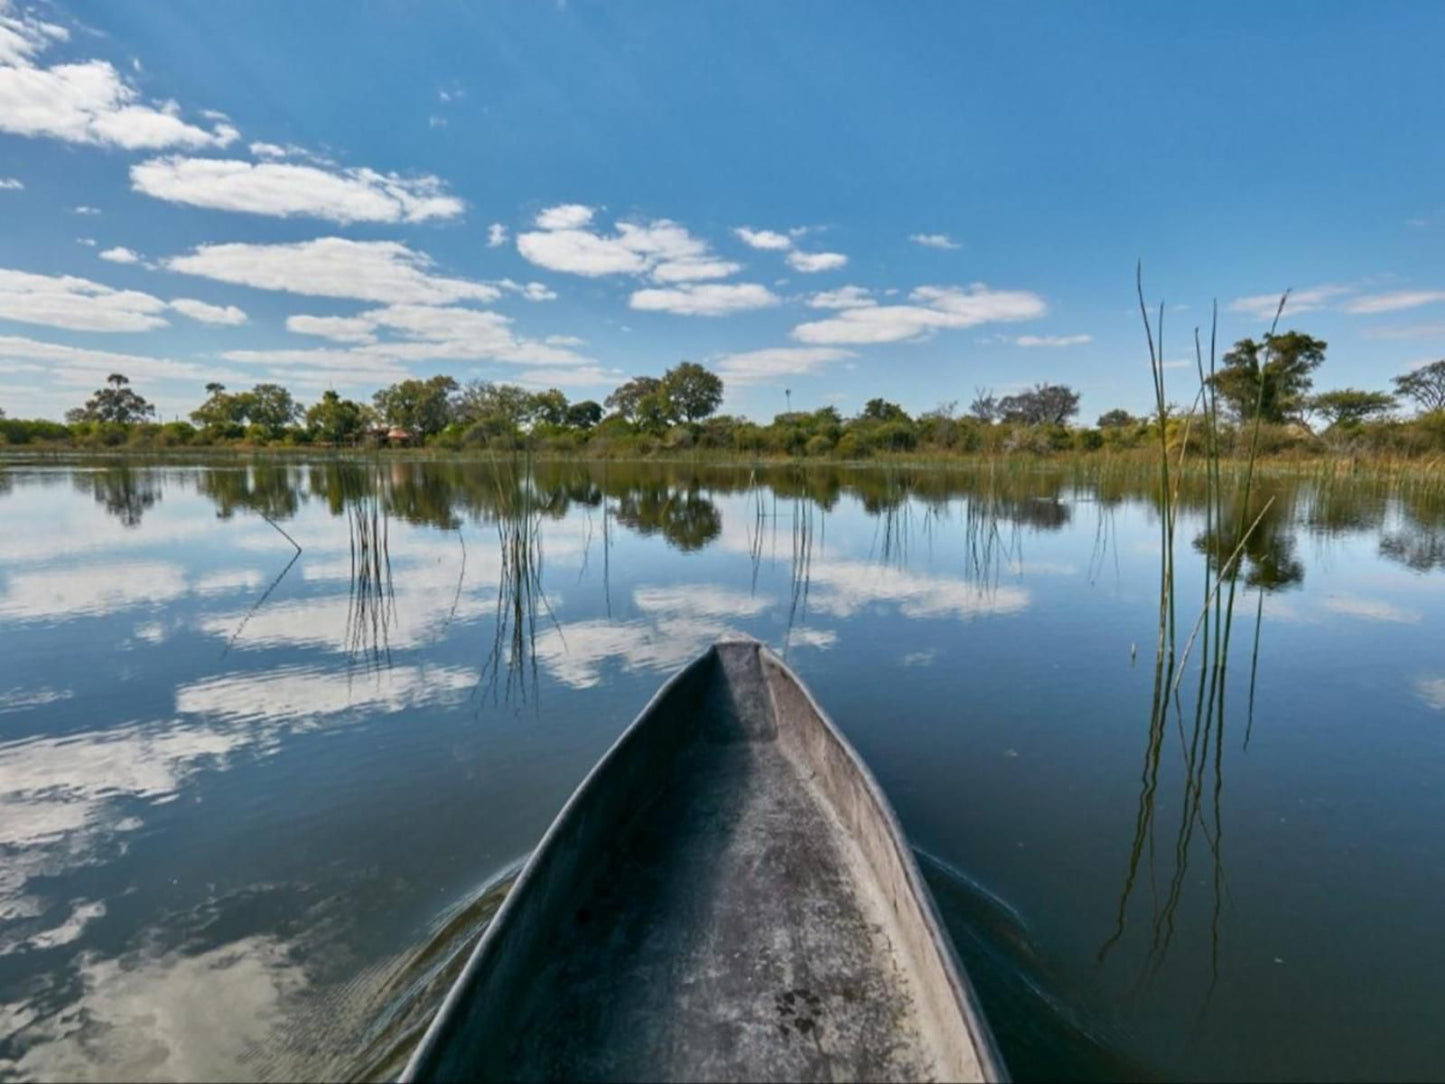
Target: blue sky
{"points": [[844, 199]]}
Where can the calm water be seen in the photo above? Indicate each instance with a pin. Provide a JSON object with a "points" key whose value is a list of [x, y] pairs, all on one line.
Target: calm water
{"points": [[254, 804]]}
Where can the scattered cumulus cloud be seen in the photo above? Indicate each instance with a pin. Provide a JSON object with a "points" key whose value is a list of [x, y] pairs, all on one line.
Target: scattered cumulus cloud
{"points": [[80, 367], [934, 240], [82, 209], [87, 101], [380, 271], [11, 184], [763, 366], [283, 190], [764, 239], [76, 304], [344, 329], [120, 254], [1053, 340], [932, 308], [565, 216], [812, 262], [661, 248], [711, 299], [496, 235], [844, 297], [228, 315]]}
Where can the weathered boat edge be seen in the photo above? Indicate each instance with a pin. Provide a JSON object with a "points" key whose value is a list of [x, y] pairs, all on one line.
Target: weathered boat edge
{"points": [[426, 1059], [960, 989], [448, 1015]]}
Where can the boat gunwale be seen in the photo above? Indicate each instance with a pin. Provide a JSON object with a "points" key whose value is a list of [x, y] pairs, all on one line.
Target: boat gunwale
{"points": [[447, 1012], [985, 1046], [990, 1064]]}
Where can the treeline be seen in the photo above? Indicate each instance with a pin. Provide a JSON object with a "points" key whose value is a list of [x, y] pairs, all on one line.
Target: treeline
{"points": [[1267, 381]]}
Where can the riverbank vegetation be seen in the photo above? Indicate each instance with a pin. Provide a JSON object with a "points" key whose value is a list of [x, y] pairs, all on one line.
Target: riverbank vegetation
{"points": [[1263, 389]]}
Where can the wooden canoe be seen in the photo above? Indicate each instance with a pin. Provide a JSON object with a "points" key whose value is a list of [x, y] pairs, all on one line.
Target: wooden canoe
{"points": [[727, 896]]}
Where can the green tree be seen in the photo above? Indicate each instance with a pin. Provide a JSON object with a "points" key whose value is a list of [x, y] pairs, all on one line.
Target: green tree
{"points": [[336, 420], [422, 406], [984, 406], [1425, 385], [880, 410], [692, 391], [653, 412], [1115, 419], [1350, 406], [549, 407], [1043, 404], [116, 402], [1273, 376], [584, 415], [626, 399], [269, 406]]}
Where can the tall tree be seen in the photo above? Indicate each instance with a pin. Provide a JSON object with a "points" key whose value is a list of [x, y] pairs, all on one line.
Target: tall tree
{"points": [[626, 399], [423, 406], [550, 407], [881, 410], [270, 406], [693, 391], [984, 406], [336, 420], [1273, 376], [116, 402], [584, 415], [1115, 419], [1043, 404], [1425, 385]]}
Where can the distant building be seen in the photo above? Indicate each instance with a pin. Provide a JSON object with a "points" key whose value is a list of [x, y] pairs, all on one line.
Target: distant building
{"points": [[397, 435]]}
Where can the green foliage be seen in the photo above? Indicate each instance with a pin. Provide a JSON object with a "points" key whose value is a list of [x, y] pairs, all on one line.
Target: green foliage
{"points": [[1351, 406], [1425, 385], [336, 420], [584, 415], [691, 391], [422, 406], [1115, 419], [1272, 377], [116, 403], [627, 399], [1043, 404]]}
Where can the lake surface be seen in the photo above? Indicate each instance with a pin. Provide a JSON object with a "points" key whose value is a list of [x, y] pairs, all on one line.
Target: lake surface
{"points": [[256, 803]]}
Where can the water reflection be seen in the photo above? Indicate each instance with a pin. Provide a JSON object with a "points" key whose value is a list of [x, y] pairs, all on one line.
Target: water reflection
{"points": [[247, 696]]}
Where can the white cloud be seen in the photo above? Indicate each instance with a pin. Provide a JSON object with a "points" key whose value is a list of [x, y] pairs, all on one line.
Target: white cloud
{"points": [[565, 216], [209, 314], [581, 376], [661, 247], [1264, 306], [11, 184], [532, 291], [22, 35], [496, 235], [82, 209], [564, 340], [426, 333], [1053, 340], [342, 329], [694, 270], [764, 239], [934, 240], [74, 365], [713, 299], [120, 254], [1394, 302], [933, 308], [384, 271], [86, 102], [283, 189], [844, 297], [1432, 691], [811, 262], [761, 366], [88, 242], [77, 304], [62, 594]]}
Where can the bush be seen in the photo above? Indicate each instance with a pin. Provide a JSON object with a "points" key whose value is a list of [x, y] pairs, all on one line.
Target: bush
{"points": [[850, 447], [818, 445]]}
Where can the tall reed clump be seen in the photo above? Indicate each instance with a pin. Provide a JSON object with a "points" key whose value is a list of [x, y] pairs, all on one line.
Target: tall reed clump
{"points": [[511, 664], [1201, 724]]}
